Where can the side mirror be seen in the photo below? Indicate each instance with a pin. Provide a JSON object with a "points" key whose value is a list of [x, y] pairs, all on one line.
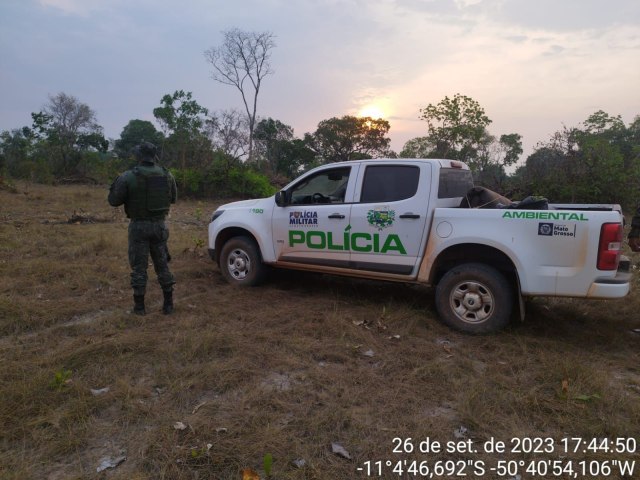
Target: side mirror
{"points": [[281, 198]]}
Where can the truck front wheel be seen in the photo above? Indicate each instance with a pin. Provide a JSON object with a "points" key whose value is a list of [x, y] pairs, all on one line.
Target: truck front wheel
{"points": [[474, 298], [240, 262]]}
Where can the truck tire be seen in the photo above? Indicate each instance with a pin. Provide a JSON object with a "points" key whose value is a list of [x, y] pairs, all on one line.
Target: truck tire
{"points": [[474, 298], [240, 262]]}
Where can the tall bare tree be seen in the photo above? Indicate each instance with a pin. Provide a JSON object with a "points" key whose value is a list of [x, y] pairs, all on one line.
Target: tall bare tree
{"points": [[243, 60], [69, 127], [228, 132]]}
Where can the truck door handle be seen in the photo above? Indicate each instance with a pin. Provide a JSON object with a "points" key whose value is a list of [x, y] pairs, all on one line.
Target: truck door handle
{"points": [[409, 215], [336, 215]]}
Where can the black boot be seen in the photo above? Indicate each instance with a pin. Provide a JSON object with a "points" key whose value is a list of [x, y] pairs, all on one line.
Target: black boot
{"points": [[138, 305], [167, 306]]}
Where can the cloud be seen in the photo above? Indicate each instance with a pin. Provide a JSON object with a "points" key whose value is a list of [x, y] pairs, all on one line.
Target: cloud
{"points": [[567, 15], [517, 38], [466, 3], [551, 15], [72, 7], [523, 61], [554, 50]]}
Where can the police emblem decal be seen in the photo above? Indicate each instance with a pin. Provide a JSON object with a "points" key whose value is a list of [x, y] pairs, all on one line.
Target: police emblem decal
{"points": [[381, 218]]}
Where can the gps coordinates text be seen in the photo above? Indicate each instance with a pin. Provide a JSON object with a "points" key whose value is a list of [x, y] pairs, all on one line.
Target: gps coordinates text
{"points": [[526, 457]]}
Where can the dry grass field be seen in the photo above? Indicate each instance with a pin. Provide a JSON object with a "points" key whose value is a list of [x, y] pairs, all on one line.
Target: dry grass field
{"points": [[284, 370]]}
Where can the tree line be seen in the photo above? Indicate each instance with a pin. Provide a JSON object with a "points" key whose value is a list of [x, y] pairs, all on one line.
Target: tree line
{"points": [[235, 153], [209, 153]]}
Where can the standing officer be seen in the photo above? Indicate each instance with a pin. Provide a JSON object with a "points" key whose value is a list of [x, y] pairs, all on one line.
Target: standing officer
{"points": [[147, 190]]}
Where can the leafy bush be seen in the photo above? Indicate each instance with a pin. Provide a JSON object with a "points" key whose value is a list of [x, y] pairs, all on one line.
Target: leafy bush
{"points": [[245, 182], [190, 182], [37, 170], [217, 182], [100, 167]]}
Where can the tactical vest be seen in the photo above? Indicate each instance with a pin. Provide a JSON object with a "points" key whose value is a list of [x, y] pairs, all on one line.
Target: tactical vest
{"points": [[149, 194]]}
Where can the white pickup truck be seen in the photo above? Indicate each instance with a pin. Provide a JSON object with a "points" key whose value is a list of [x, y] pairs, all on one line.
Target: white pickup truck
{"points": [[401, 220]]}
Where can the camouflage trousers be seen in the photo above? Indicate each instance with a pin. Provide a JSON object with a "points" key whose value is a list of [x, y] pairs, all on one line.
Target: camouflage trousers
{"points": [[149, 237]]}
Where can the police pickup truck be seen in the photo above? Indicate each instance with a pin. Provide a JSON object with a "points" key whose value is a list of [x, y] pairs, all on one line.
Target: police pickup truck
{"points": [[402, 221]]}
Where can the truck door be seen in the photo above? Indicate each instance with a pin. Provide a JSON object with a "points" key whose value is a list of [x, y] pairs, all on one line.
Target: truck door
{"points": [[311, 228], [389, 216]]}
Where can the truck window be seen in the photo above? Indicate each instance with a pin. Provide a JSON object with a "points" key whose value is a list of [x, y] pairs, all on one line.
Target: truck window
{"points": [[389, 183], [454, 182], [327, 186]]}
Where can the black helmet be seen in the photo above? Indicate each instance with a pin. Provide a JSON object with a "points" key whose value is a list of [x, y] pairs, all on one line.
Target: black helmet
{"points": [[145, 151]]}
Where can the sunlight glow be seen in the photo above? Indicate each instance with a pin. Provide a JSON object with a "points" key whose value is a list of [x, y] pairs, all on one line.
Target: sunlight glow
{"points": [[373, 111]]}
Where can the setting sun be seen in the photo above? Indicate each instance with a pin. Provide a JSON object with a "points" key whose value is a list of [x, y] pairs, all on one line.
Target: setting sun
{"points": [[373, 111]]}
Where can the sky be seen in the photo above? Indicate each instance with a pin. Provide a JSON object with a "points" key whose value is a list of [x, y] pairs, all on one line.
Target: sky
{"points": [[535, 66]]}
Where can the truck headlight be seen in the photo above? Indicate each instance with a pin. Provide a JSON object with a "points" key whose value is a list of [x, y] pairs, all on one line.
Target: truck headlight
{"points": [[216, 214]]}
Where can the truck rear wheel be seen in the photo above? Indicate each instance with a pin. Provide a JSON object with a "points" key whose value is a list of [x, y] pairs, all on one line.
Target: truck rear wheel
{"points": [[474, 298], [240, 262]]}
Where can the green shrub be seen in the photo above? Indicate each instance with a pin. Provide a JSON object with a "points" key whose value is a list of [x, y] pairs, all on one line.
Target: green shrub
{"points": [[245, 182], [190, 181]]}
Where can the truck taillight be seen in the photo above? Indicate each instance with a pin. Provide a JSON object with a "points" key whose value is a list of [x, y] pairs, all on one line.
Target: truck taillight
{"points": [[610, 246]]}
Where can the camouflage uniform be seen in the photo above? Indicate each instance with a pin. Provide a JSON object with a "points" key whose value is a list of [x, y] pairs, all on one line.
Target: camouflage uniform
{"points": [[147, 191]]}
